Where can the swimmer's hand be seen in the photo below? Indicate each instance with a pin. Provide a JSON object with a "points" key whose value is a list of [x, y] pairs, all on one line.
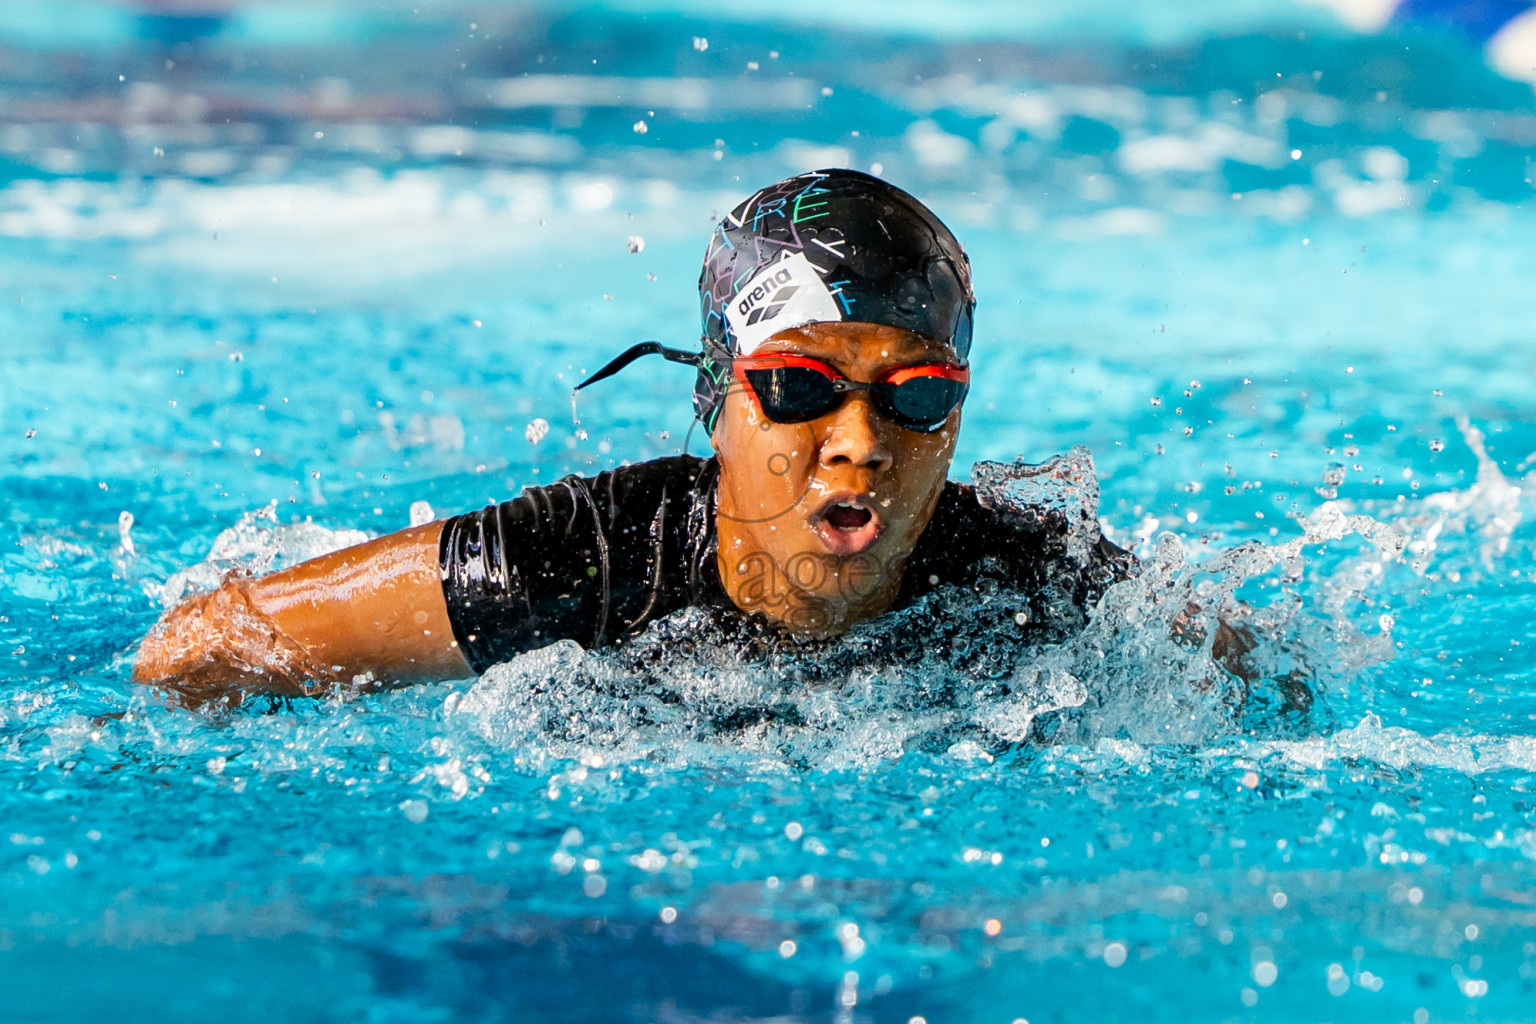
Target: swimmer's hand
{"points": [[220, 644], [1233, 646], [363, 618], [1230, 646]]}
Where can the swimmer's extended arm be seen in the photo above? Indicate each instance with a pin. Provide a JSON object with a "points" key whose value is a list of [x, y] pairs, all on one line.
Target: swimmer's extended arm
{"points": [[369, 616]]}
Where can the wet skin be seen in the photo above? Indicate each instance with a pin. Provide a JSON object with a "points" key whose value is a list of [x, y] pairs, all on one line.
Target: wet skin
{"points": [[787, 551], [374, 614], [364, 617]]}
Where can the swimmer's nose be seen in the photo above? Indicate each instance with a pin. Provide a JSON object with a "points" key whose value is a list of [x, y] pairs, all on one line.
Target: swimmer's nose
{"points": [[853, 440]]}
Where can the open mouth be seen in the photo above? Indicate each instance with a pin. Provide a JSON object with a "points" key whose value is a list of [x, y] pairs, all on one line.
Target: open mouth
{"points": [[846, 525], [848, 516]]}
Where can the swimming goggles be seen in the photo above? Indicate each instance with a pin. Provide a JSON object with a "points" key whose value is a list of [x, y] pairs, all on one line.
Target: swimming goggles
{"points": [[794, 389]]}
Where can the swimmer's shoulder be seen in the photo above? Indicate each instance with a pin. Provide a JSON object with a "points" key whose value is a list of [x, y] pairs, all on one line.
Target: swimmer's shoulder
{"points": [[682, 469], [592, 511], [632, 488]]}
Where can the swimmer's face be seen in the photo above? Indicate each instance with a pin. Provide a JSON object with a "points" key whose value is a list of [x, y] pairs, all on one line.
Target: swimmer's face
{"points": [[816, 519]]}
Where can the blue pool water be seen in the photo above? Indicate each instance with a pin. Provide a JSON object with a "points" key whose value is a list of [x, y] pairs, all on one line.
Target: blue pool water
{"points": [[273, 275]]}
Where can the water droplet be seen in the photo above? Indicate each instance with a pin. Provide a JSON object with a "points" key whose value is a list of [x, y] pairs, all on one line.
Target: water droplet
{"points": [[124, 525]]}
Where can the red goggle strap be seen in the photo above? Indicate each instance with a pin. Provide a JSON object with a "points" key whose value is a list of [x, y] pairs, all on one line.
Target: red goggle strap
{"points": [[946, 371]]}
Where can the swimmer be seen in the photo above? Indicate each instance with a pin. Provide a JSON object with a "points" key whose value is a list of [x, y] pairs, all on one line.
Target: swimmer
{"points": [[837, 317]]}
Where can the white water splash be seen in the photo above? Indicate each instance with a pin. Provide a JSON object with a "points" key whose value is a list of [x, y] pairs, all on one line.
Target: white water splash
{"points": [[1065, 485], [124, 533], [1490, 509], [257, 543], [1400, 748]]}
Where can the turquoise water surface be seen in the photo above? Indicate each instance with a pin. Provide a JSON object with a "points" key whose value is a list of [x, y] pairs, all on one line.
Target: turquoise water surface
{"points": [[273, 276]]}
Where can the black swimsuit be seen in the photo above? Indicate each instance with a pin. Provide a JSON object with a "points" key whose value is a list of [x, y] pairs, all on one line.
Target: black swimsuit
{"points": [[596, 559]]}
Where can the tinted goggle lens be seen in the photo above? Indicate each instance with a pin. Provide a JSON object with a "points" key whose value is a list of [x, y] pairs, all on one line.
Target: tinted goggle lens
{"points": [[923, 403], [795, 394]]}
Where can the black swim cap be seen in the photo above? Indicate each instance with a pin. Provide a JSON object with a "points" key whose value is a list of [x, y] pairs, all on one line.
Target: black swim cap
{"points": [[826, 246], [830, 245]]}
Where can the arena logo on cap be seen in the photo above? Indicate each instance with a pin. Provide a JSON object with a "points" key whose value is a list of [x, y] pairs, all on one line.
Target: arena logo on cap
{"points": [[785, 294]]}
